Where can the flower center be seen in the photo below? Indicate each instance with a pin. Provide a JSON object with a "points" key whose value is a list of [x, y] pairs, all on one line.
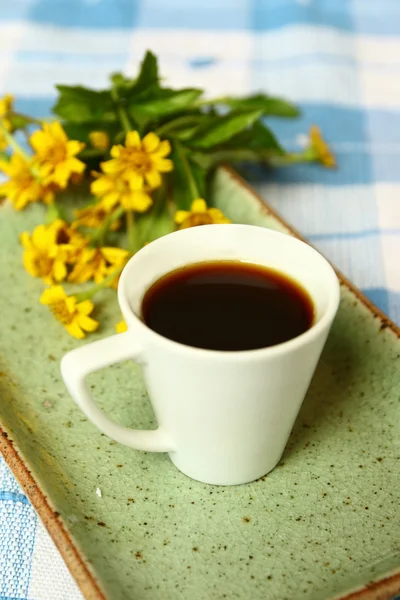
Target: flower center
{"points": [[61, 312], [199, 219], [62, 236], [44, 265], [122, 186], [24, 178], [56, 153], [139, 161]]}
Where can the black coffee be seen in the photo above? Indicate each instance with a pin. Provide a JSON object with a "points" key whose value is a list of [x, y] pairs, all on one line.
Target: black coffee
{"points": [[227, 305]]}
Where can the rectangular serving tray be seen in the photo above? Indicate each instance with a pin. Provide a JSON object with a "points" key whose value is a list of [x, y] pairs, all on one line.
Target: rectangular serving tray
{"points": [[324, 524]]}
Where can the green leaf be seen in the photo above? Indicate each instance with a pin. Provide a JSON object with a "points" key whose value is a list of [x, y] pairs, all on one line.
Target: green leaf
{"points": [[262, 138], [148, 74], [210, 160], [79, 105], [181, 128], [222, 129], [259, 137], [255, 144], [80, 131], [167, 102], [269, 105], [120, 81]]}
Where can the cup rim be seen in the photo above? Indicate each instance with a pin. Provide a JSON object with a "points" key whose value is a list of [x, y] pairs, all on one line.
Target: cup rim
{"points": [[261, 353]]}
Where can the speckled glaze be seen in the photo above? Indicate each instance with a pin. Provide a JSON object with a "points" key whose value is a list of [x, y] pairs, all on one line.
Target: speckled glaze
{"points": [[324, 524]]}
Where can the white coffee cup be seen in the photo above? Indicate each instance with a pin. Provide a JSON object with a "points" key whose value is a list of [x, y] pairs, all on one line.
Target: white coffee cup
{"points": [[224, 417]]}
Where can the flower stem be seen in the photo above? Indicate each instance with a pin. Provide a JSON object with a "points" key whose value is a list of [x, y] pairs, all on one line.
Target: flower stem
{"points": [[131, 230], [12, 142], [26, 118], [143, 234], [194, 192], [100, 234], [290, 158], [53, 212], [122, 114], [88, 294]]}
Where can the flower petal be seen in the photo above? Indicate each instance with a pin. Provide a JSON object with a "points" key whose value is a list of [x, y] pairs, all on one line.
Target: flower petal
{"points": [[121, 327], [54, 294], [85, 307], [26, 240], [40, 238], [99, 139], [135, 180], [74, 330], [5, 167], [74, 147], [115, 152], [163, 149], [165, 165], [153, 178], [86, 323], [199, 206], [180, 216], [137, 201], [132, 140], [111, 167], [101, 185], [30, 265], [56, 131], [80, 274], [110, 200], [114, 255], [70, 303], [150, 142], [59, 270]]}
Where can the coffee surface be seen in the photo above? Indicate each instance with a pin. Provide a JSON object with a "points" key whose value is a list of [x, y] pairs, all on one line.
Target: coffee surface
{"points": [[227, 305]]}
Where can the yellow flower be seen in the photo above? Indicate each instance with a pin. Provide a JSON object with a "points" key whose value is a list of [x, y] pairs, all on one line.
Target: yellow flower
{"points": [[43, 256], [199, 214], [23, 187], [99, 139], [121, 327], [6, 105], [48, 250], [323, 153], [98, 264], [72, 314], [93, 216], [139, 161], [69, 238], [114, 190], [55, 157]]}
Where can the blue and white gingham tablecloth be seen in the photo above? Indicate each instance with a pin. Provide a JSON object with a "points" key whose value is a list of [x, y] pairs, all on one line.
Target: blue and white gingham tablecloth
{"points": [[339, 59]]}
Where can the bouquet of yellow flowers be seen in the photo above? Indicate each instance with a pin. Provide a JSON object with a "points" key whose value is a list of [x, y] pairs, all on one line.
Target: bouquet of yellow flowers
{"points": [[143, 154]]}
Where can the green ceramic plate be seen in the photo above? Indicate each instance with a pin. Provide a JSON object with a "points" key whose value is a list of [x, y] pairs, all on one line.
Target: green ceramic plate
{"points": [[324, 524]]}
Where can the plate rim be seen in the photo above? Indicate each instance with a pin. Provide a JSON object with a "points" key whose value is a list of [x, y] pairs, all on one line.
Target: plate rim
{"points": [[380, 589]]}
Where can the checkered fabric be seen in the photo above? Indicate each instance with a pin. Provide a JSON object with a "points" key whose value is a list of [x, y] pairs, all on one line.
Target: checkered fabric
{"points": [[339, 59]]}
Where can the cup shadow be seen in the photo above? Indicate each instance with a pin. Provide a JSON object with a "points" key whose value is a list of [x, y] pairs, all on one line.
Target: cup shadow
{"points": [[334, 398]]}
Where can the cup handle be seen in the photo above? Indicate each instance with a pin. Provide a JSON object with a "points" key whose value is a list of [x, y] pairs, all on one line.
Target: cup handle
{"points": [[78, 363]]}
